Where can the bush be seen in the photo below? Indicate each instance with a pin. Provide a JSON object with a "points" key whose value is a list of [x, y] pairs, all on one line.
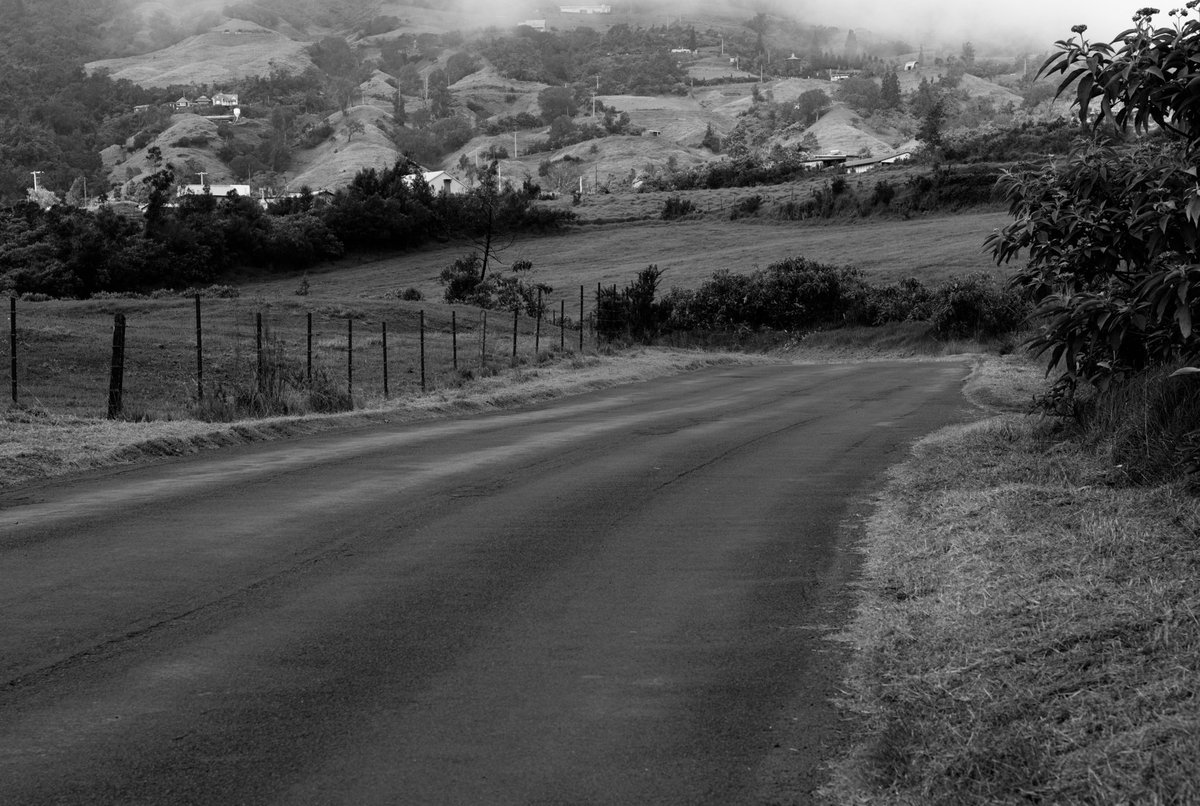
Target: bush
{"points": [[677, 207], [976, 307], [746, 207], [411, 294]]}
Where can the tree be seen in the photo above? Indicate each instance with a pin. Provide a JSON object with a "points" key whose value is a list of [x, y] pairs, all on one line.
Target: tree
{"points": [[439, 95], [398, 113], [968, 53], [556, 102], [889, 92], [1112, 233], [811, 105], [930, 130], [354, 126]]}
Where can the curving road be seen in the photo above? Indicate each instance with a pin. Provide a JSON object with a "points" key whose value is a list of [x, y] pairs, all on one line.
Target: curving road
{"points": [[615, 598]]}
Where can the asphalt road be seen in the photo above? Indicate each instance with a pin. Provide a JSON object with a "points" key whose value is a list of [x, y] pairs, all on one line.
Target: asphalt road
{"points": [[621, 597]]}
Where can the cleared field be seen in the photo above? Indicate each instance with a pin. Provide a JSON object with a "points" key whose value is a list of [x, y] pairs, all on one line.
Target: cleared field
{"points": [[931, 249]]}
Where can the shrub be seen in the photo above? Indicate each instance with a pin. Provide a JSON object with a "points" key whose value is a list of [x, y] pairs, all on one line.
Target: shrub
{"points": [[677, 207], [746, 207], [976, 307], [411, 294]]}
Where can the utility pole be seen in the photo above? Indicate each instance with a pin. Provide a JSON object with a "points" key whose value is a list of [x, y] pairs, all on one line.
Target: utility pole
{"points": [[202, 174], [35, 176]]}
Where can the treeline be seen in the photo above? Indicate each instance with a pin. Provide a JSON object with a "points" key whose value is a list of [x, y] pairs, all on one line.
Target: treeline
{"points": [[633, 61], [799, 295], [65, 251]]}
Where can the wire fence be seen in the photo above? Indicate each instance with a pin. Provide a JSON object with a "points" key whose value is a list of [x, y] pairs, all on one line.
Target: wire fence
{"points": [[221, 358]]}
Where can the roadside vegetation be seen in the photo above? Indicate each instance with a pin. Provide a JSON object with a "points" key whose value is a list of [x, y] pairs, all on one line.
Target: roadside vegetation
{"points": [[1028, 628]]}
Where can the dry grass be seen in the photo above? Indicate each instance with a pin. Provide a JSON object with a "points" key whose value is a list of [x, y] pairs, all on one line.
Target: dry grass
{"points": [[213, 58], [1028, 632], [38, 444], [64, 347]]}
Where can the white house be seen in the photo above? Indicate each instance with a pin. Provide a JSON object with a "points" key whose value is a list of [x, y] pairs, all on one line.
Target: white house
{"points": [[592, 9], [440, 182], [182, 103], [224, 99]]}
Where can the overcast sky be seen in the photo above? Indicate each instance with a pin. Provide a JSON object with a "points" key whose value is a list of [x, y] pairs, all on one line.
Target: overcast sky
{"points": [[1048, 20]]}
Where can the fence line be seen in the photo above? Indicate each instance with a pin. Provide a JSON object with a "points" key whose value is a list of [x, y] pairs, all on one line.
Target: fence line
{"points": [[172, 367]]}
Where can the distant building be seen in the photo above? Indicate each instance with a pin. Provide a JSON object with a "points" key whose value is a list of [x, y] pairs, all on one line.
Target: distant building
{"points": [[215, 190], [537, 25], [224, 99], [835, 76], [598, 9], [203, 100], [439, 182], [910, 66], [182, 103]]}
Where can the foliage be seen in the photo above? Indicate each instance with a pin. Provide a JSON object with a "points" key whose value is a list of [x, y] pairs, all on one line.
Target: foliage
{"points": [[677, 207], [465, 282], [632, 313], [1111, 232]]}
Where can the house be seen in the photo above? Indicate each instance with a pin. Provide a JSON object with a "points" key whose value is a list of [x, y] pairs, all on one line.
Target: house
{"points": [[203, 100], [910, 66], [537, 25], [215, 190], [141, 108], [825, 160], [224, 99], [439, 182], [182, 103], [600, 9], [836, 76], [861, 166]]}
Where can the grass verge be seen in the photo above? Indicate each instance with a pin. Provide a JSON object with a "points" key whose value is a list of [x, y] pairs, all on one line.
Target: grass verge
{"points": [[37, 445], [1028, 627]]}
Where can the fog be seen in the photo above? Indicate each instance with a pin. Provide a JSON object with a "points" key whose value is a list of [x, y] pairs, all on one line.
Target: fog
{"points": [[939, 20], [935, 23]]}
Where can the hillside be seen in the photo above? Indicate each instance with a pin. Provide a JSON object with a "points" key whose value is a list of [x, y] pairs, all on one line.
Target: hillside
{"points": [[229, 51], [334, 163]]}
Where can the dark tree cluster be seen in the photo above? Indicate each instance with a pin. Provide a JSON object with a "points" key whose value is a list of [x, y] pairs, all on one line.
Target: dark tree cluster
{"points": [[65, 251]]}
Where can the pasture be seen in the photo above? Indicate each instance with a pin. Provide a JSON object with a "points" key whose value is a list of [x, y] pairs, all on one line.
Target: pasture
{"points": [[931, 249]]}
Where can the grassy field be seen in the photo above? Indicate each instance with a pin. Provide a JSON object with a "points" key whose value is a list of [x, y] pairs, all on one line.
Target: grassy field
{"points": [[65, 348], [931, 249]]}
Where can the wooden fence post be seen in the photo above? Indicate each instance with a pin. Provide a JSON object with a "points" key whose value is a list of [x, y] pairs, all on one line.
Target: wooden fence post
{"points": [[581, 319], [537, 328], [350, 360], [12, 343], [516, 314], [562, 324], [116, 377], [483, 341], [258, 348], [199, 354], [308, 365], [385, 367], [454, 339], [422, 329]]}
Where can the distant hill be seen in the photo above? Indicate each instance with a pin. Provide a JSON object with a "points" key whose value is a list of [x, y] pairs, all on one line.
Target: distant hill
{"points": [[229, 51]]}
